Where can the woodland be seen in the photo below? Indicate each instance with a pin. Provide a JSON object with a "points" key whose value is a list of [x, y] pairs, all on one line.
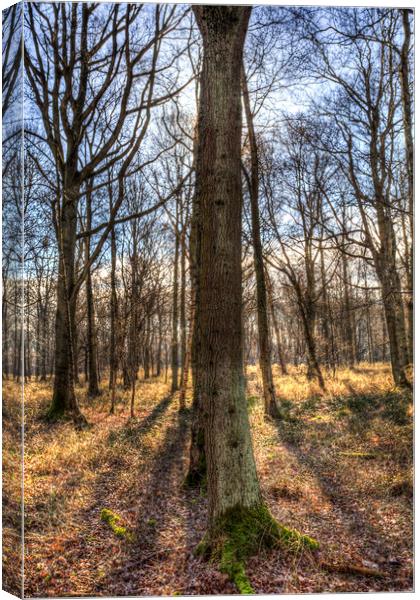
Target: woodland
{"points": [[207, 305]]}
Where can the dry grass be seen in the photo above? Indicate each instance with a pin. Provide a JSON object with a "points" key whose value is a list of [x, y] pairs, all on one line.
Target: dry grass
{"points": [[338, 467]]}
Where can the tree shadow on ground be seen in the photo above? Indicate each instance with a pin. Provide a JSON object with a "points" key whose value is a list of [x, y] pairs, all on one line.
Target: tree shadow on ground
{"points": [[301, 439], [390, 406], [133, 431], [156, 511]]}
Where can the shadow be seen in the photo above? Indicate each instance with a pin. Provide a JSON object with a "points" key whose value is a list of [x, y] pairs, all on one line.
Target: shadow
{"points": [[390, 406], [350, 513], [158, 509], [132, 432]]}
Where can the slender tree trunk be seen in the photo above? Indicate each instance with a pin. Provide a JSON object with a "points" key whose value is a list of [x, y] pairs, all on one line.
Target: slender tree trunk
{"points": [[275, 323], [113, 360], [348, 320], [28, 361], [175, 303], [187, 359], [44, 344], [270, 405], [147, 350], [387, 271], [394, 317], [5, 325], [306, 309], [183, 316], [93, 389], [159, 345]]}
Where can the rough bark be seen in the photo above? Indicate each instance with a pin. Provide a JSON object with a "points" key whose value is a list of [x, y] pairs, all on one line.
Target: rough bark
{"points": [[231, 474], [64, 399], [406, 97]]}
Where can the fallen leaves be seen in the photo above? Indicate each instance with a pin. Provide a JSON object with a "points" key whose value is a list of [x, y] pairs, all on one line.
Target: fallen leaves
{"points": [[358, 509]]}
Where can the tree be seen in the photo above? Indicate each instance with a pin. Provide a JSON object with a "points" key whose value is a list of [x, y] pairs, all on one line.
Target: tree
{"points": [[91, 62], [238, 521], [262, 314]]}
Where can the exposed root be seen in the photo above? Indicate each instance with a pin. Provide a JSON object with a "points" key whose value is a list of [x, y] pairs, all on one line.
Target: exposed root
{"points": [[348, 569]]}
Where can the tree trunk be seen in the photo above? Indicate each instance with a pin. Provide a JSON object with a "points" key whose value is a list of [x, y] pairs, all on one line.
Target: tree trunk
{"points": [[270, 405], [64, 398], [93, 389], [232, 481], [394, 317], [183, 317], [44, 328], [174, 341], [275, 324], [406, 98], [113, 360], [348, 321], [197, 463]]}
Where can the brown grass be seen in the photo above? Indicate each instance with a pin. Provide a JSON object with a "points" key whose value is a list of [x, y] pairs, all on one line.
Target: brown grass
{"points": [[338, 466]]}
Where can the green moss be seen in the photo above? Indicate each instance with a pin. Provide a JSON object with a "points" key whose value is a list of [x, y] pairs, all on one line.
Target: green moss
{"points": [[240, 533], [365, 455], [112, 520]]}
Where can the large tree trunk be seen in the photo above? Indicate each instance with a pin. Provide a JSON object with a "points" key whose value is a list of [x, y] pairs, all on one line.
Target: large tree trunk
{"points": [[239, 523], [64, 398], [270, 405], [406, 97], [232, 481]]}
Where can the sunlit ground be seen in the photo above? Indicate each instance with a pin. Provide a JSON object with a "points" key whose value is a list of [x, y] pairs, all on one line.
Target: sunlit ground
{"points": [[338, 467]]}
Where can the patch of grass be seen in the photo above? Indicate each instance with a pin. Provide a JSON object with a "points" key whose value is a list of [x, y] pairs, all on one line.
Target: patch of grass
{"points": [[363, 455], [253, 402]]}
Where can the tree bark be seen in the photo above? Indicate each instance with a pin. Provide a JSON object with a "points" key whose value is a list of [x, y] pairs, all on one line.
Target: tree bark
{"points": [[93, 388], [269, 393], [113, 360], [406, 97], [174, 340], [64, 399], [232, 481], [183, 319]]}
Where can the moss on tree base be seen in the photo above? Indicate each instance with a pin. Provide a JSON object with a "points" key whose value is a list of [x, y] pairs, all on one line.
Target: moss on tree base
{"points": [[241, 533]]}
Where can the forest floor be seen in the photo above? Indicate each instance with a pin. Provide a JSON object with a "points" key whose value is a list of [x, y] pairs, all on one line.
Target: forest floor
{"points": [[338, 467]]}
